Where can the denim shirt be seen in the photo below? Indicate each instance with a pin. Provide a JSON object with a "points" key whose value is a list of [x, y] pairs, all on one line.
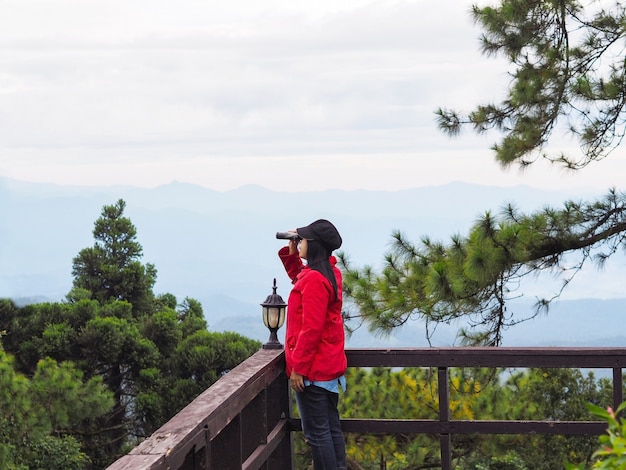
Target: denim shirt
{"points": [[330, 385]]}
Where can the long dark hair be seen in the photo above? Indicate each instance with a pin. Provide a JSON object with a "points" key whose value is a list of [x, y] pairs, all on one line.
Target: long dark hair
{"points": [[317, 258]]}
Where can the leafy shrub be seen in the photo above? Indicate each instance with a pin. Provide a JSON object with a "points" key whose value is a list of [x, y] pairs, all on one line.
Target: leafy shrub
{"points": [[612, 451]]}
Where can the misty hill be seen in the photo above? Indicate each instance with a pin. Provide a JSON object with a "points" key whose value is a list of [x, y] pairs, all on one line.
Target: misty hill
{"points": [[219, 247]]}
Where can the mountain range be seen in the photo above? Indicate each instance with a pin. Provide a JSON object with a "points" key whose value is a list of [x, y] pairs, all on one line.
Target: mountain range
{"points": [[220, 248]]}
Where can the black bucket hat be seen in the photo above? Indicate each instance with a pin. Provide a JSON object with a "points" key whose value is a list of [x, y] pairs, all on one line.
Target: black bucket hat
{"points": [[322, 231]]}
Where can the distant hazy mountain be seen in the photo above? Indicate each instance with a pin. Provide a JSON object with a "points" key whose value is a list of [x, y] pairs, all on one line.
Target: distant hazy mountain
{"points": [[220, 247], [583, 322]]}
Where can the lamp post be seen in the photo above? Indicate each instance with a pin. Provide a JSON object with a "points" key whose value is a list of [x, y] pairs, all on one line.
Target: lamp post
{"points": [[274, 309]]}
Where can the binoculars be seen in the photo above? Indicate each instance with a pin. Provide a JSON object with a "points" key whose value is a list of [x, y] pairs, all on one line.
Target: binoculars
{"points": [[288, 236]]}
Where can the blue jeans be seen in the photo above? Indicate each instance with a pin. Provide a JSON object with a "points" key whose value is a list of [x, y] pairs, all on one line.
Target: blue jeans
{"points": [[322, 428]]}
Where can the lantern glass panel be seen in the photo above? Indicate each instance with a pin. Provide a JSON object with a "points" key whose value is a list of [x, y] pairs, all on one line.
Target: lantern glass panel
{"points": [[273, 317], [265, 316], [281, 316]]}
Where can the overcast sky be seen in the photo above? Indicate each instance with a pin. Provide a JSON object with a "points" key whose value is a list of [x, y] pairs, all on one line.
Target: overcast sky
{"points": [[287, 94]]}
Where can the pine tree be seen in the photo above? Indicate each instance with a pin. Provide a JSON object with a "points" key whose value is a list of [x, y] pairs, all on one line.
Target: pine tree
{"points": [[568, 74]]}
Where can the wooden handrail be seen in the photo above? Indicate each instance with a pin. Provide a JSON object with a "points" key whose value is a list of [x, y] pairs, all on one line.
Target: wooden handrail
{"points": [[186, 439], [244, 420], [488, 357]]}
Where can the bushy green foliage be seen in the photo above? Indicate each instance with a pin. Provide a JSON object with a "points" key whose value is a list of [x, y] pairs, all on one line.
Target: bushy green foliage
{"points": [[567, 70], [151, 355], [471, 279], [533, 394], [611, 455], [37, 415], [62, 453], [510, 461]]}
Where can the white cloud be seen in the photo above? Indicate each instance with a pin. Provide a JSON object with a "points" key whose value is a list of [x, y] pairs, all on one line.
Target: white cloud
{"points": [[238, 92]]}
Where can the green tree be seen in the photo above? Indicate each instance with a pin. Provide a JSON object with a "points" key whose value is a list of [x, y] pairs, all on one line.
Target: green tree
{"points": [[567, 74], [152, 354], [111, 269], [382, 393], [611, 454], [103, 341], [474, 277], [412, 393], [537, 394], [39, 417], [482, 394]]}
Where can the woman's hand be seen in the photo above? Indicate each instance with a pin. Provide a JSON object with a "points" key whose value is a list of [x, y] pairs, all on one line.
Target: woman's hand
{"points": [[293, 245], [297, 381]]}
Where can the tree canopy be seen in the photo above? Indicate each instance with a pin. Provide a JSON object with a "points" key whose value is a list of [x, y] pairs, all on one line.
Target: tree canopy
{"points": [[567, 60], [38, 414], [111, 269], [567, 73], [149, 354]]}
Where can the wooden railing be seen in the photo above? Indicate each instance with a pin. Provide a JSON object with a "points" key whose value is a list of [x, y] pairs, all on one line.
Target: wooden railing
{"points": [[244, 420], [240, 422]]}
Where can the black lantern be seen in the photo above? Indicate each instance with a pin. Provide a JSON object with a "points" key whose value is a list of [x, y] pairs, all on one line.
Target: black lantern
{"points": [[274, 309]]}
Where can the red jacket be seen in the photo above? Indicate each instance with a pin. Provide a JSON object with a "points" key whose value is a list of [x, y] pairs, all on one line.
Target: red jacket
{"points": [[314, 340]]}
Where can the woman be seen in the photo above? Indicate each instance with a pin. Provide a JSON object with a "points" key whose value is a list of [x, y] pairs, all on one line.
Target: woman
{"points": [[314, 341]]}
